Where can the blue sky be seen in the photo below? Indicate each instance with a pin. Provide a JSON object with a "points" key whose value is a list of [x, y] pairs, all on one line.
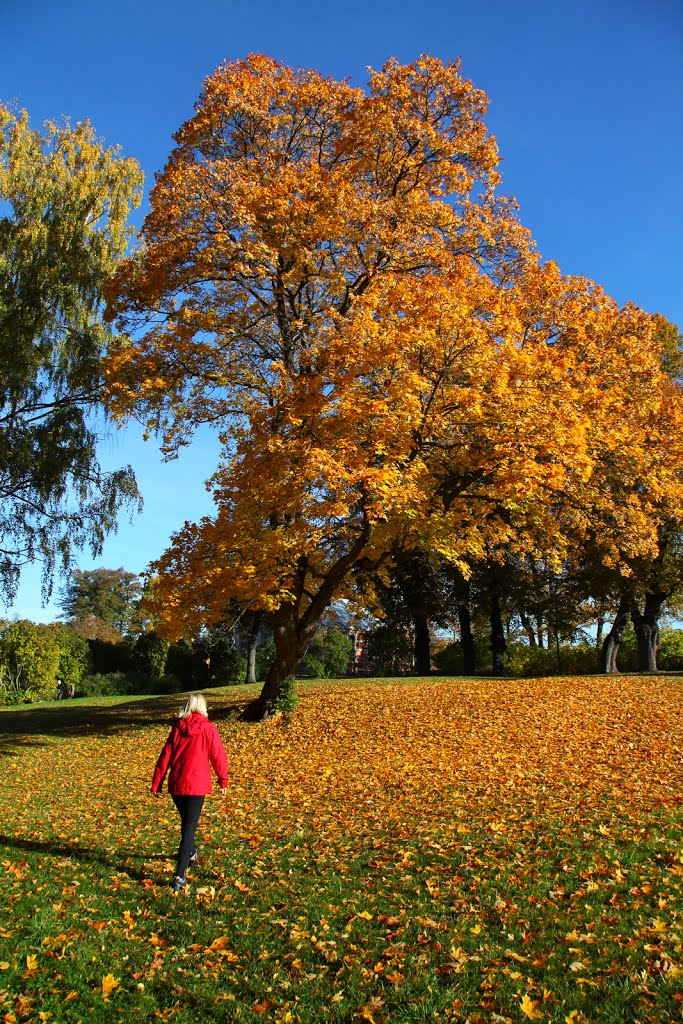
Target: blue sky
{"points": [[586, 101]]}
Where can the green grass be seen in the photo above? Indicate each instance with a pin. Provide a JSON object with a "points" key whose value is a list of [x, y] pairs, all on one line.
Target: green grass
{"points": [[456, 913]]}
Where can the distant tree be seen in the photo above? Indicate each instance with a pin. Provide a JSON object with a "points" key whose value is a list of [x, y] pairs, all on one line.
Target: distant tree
{"points": [[107, 598], [64, 203]]}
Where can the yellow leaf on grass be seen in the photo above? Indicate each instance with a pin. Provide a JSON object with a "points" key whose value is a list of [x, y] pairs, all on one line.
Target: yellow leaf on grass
{"points": [[109, 983], [364, 914], [32, 962], [529, 1008]]}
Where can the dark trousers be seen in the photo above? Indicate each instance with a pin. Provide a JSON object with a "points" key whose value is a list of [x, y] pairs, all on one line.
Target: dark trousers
{"points": [[189, 808]]}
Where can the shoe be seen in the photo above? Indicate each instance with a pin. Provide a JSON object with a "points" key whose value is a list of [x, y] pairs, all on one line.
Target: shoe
{"points": [[195, 856], [178, 883]]}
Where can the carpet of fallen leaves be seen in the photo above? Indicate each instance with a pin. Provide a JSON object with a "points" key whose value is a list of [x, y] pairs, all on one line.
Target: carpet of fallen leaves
{"points": [[408, 851]]}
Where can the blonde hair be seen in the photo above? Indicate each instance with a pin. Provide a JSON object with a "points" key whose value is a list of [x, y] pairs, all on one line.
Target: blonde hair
{"points": [[194, 703]]}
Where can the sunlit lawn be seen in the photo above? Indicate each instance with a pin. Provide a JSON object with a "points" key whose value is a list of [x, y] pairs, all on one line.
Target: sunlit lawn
{"points": [[401, 851]]}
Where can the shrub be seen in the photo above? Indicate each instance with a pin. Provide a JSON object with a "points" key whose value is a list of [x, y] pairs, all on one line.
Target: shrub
{"points": [[231, 670], [149, 655], [112, 684], [287, 699], [670, 653], [34, 655], [328, 654]]}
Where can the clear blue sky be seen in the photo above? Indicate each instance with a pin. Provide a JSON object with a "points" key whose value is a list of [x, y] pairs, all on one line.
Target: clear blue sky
{"points": [[586, 101]]}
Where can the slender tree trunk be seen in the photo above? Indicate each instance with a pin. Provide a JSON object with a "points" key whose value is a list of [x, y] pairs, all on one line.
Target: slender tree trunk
{"points": [[646, 626], [528, 629], [611, 643], [498, 645], [539, 631], [598, 635], [469, 654], [422, 644], [251, 647]]}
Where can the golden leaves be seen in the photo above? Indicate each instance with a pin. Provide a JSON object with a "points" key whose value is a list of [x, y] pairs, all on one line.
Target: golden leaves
{"points": [[109, 983]]}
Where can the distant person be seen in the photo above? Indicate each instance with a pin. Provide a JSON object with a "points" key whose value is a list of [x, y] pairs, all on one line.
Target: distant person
{"points": [[72, 690], [193, 743], [60, 689]]}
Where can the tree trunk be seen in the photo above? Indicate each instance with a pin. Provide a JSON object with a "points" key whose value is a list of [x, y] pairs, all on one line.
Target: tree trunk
{"points": [[467, 640], [647, 630], [291, 643], [293, 630], [539, 631], [498, 645], [422, 644], [598, 635], [528, 629], [251, 647], [610, 647]]}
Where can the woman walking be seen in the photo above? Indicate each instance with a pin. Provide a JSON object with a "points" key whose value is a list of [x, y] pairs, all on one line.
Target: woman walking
{"points": [[192, 744]]}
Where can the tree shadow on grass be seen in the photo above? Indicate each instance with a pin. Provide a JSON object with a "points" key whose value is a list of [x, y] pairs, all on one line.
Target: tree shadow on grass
{"points": [[83, 853], [71, 719]]}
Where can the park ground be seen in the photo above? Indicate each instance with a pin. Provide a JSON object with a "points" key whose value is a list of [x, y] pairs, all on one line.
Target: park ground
{"points": [[393, 851]]}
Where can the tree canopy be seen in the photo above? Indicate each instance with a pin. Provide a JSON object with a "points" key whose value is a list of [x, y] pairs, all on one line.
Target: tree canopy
{"points": [[328, 275], [64, 203], [106, 598]]}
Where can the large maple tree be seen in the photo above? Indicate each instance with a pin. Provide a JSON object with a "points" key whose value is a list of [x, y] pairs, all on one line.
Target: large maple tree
{"points": [[328, 275]]}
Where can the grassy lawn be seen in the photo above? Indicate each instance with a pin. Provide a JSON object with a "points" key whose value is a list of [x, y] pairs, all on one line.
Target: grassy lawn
{"points": [[418, 850]]}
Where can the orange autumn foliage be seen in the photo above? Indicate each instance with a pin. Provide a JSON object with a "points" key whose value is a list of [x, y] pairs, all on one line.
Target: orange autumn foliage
{"points": [[328, 275]]}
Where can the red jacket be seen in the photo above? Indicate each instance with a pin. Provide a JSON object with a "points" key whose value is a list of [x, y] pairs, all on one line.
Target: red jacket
{"points": [[192, 743]]}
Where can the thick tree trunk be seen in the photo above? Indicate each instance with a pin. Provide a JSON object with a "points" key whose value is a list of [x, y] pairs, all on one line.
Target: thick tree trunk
{"points": [[646, 626], [612, 642], [467, 640], [293, 629], [251, 647], [291, 643], [422, 644], [498, 645]]}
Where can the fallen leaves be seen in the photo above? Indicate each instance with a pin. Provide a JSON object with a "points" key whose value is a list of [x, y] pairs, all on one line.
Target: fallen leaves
{"points": [[109, 983], [510, 840]]}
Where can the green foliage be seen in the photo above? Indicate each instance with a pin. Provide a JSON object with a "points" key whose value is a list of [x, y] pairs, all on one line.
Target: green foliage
{"points": [[32, 657], [231, 671], [149, 654], [114, 684], [74, 658], [110, 596], [328, 654], [390, 650], [64, 203], [107, 657], [265, 654], [287, 700], [225, 666], [123, 684], [670, 653]]}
